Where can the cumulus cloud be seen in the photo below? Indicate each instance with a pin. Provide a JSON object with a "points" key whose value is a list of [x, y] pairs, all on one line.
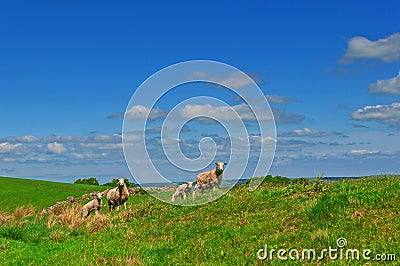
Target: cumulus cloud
{"points": [[385, 49], [227, 113], [389, 86], [116, 115], [308, 132], [363, 152], [359, 125], [235, 80], [272, 99], [280, 99], [138, 112], [283, 117], [222, 113], [56, 148], [386, 114], [6, 147]]}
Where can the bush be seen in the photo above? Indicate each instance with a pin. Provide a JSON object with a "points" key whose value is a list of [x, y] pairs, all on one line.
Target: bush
{"points": [[87, 181], [269, 179]]}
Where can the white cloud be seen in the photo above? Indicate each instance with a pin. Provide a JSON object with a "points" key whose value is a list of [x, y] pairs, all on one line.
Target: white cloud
{"points": [[222, 113], [102, 146], [386, 114], [280, 99], [389, 86], [6, 147], [55, 147], [308, 132], [235, 80], [138, 112], [283, 117], [227, 113], [386, 49], [363, 152]]}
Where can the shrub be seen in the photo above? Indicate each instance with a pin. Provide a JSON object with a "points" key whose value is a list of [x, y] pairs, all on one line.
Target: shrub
{"points": [[269, 179], [87, 181]]}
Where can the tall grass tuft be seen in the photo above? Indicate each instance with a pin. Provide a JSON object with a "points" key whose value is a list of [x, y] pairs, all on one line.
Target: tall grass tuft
{"points": [[69, 216], [23, 212], [4, 218]]}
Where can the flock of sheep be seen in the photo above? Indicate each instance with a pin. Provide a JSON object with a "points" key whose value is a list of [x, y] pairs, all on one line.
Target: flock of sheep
{"points": [[207, 181], [210, 180]]}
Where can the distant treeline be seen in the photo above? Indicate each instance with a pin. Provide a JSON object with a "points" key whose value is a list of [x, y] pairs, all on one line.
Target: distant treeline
{"points": [[94, 181]]}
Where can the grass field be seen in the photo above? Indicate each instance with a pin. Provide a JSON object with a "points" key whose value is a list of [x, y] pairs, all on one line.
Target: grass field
{"points": [[229, 231], [16, 192]]}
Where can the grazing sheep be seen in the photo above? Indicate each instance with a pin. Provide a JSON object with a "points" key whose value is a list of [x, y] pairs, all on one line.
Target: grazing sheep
{"points": [[214, 176], [182, 191], [93, 205], [118, 196]]}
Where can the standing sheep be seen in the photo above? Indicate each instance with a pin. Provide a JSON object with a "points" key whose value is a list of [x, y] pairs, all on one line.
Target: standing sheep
{"points": [[182, 191], [118, 196], [214, 176], [213, 185], [93, 205]]}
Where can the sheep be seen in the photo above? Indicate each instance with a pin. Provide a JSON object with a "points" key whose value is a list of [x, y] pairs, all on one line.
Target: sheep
{"points": [[93, 205], [182, 191], [213, 185], [214, 176], [118, 196]]}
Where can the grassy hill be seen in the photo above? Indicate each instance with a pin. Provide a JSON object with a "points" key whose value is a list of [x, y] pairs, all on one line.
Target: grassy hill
{"points": [[229, 231], [16, 192]]}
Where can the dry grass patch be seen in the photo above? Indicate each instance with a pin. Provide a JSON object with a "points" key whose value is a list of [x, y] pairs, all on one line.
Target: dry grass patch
{"points": [[96, 223], [23, 212], [4, 218], [69, 216]]}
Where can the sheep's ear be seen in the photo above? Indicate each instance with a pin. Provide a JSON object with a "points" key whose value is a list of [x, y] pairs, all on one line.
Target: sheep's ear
{"points": [[216, 163], [224, 163]]}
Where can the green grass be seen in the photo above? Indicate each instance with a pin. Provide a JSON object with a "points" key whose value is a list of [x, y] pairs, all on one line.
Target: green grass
{"points": [[16, 192], [228, 231]]}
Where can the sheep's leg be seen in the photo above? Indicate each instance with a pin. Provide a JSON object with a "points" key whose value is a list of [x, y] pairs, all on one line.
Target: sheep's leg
{"points": [[194, 192], [125, 205], [184, 196]]}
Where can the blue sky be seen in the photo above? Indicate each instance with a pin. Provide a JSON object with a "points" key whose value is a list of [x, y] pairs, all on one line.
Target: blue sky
{"points": [[69, 69]]}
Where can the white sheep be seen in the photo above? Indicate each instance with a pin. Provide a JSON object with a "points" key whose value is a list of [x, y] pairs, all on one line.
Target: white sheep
{"points": [[118, 196], [182, 191], [213, 185], [93, 205], [205, 178]]}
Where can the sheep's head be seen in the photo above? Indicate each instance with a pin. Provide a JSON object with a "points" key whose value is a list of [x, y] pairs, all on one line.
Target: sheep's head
{"points": [[121, 182], [220, 167], [189, 184], [98, 195]]}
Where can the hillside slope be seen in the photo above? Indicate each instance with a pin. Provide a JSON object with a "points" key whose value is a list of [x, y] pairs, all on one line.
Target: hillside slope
{"points": [[15, 192], [228, 231]]}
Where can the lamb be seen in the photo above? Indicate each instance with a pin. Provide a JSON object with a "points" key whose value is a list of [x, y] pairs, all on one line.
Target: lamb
{"points": [[182, 191], [93, 205], [214, 176], [213, 185], [118, 196]]}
